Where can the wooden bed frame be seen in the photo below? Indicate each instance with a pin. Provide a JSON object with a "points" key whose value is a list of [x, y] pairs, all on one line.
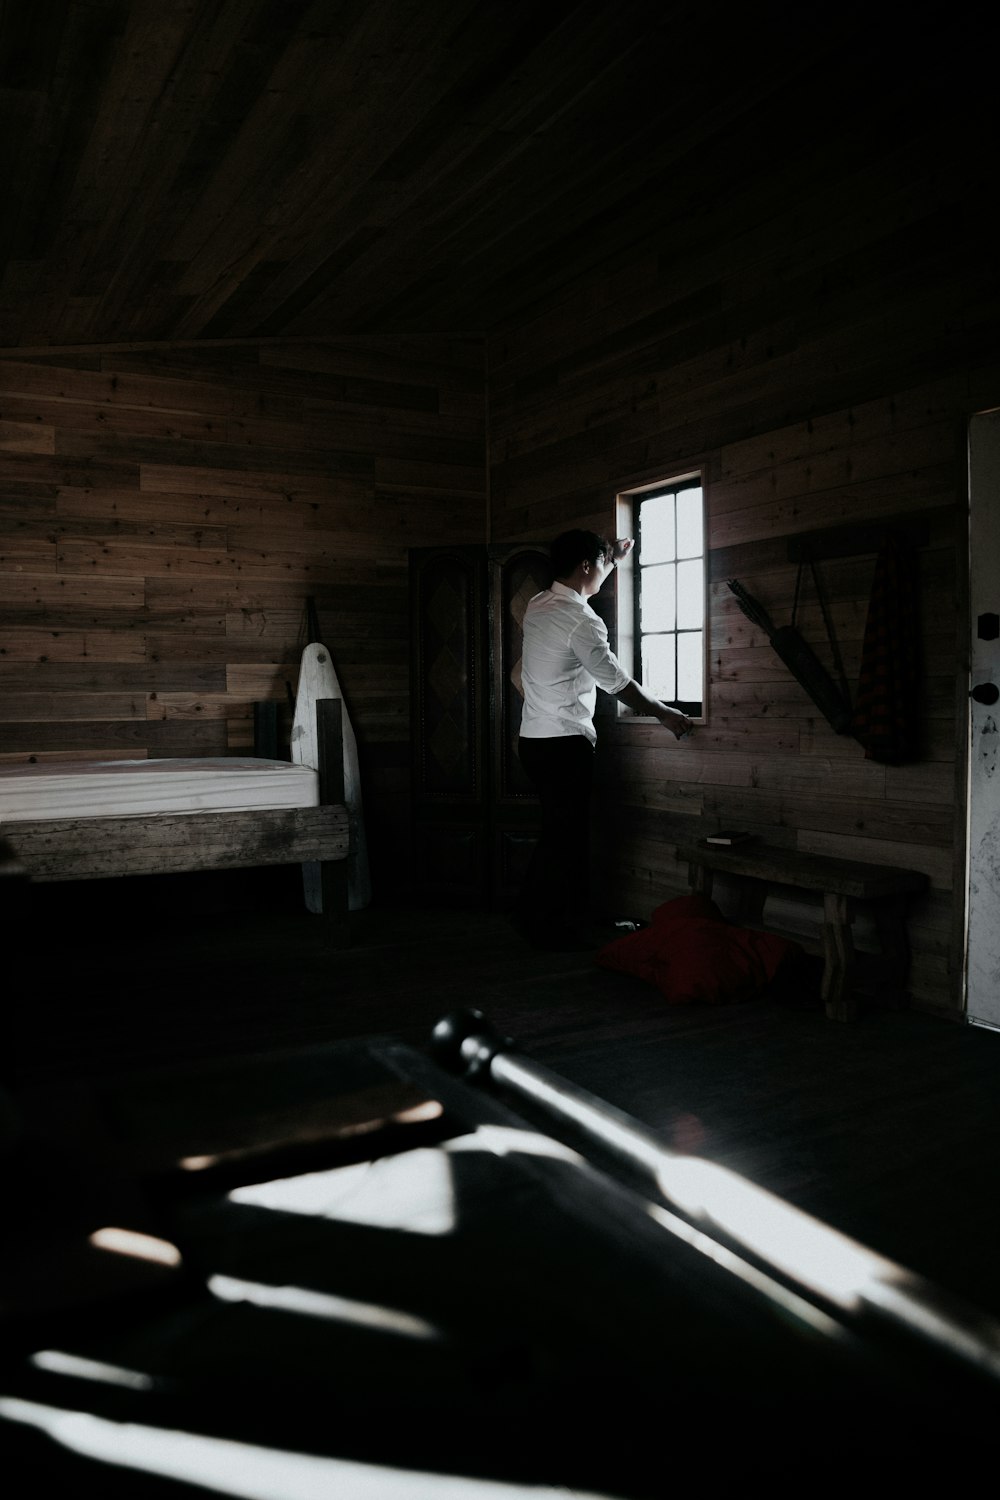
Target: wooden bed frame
{"points": [[160, 844]]}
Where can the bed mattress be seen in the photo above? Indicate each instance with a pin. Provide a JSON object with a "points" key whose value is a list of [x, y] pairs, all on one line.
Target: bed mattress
{"points": [[126, 788]]}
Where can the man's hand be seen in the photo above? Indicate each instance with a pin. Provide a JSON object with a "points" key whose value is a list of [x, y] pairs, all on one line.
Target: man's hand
{"points": [[635, 696], [671, 718], [621, 548]]}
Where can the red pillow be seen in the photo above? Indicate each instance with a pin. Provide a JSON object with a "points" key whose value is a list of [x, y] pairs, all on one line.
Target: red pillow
{"points": [[692, 954]]}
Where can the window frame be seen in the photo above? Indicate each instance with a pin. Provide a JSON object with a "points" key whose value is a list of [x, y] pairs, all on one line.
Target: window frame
{"points": [[629, 652]]}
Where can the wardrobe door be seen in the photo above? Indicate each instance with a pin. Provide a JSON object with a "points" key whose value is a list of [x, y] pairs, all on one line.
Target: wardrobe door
{"points": [[449, 704], [517, 573]]}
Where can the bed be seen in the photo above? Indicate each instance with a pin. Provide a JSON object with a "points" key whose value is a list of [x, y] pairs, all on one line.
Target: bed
{"points": [[93, 820]]}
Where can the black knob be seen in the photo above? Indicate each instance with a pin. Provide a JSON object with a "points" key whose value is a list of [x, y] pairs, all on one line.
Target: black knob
{"points": [[986, 692], [464, 1042]]}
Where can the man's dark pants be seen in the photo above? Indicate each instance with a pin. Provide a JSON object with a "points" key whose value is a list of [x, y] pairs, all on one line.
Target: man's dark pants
{"points": [[555, 896]]}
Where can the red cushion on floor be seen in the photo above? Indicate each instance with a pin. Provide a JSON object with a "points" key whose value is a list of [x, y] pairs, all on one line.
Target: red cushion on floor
{"points": [[693, 955]]}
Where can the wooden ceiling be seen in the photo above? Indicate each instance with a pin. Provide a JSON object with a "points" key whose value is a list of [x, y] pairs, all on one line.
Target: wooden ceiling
{"points": [[243, 169]]}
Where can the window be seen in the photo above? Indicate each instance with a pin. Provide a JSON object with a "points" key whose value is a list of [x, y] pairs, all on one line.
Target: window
{"points": [[661, 598]]}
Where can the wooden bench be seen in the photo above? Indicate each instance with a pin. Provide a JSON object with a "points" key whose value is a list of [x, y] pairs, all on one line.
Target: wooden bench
{"points": [[842, 884]]}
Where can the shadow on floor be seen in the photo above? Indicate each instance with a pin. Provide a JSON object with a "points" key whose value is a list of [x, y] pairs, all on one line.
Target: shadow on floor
{"points": [[889, 1128]]}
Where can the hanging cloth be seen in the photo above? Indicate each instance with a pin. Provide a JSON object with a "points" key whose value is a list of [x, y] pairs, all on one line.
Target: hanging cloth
{"points": [[841, 718], [798, 656], [887, 711]]}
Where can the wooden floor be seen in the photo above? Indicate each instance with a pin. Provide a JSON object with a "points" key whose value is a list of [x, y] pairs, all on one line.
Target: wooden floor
{"points": [[888, 1129]]}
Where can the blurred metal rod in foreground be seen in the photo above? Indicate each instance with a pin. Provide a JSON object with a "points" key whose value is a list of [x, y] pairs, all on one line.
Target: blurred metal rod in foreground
{"points": [[828, 1268]]}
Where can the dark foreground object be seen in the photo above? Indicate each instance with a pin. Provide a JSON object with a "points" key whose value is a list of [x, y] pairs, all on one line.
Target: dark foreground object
{"points": [[339, 1269]]}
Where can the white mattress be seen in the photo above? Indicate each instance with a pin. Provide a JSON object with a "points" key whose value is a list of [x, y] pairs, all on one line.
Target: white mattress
{"points": [[136, 788]]}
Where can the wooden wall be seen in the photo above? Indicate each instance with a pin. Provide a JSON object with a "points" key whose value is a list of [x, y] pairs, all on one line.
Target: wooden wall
{"points": [[808, 411], [166, 512]]}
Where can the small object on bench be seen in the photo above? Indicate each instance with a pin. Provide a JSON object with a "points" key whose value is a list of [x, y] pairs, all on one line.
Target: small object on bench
{"points": [[841, 882], [727, 836]]}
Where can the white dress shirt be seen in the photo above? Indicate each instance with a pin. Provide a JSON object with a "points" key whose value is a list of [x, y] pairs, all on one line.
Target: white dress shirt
{"points": [[565, 658]]}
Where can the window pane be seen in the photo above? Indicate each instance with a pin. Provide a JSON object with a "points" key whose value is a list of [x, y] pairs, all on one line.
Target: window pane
{"points": [[658, 597], [656, 529], [690, 595], [689, 523], [668, 591], [658, 665], [689, 666]]}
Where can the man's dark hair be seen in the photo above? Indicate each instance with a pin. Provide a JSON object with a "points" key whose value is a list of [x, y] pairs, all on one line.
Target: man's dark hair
{"points": [[572, 548]]}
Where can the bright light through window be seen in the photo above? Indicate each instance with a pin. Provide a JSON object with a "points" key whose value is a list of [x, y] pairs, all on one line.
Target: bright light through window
{"points": [[663, 602]]}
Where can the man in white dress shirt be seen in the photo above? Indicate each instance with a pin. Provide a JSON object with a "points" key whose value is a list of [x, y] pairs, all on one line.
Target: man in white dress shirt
{"points": [[565, 659]]}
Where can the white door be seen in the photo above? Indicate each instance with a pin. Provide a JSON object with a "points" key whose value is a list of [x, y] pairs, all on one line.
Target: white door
{"points": [[983, 954]]}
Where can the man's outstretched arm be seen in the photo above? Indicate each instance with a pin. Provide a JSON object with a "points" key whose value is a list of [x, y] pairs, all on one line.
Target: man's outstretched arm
{"points": [[635, 696]]}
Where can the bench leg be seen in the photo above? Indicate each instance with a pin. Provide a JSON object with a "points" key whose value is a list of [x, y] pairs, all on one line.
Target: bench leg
{"points": [[753, 894], [700, 879], [838, 953]]}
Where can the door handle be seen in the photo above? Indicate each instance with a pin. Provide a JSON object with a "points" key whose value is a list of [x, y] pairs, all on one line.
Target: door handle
{"points": [[986, 692]]}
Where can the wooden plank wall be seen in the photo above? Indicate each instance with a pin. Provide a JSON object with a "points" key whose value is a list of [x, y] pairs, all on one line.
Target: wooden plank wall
{"points": [[166, 512], [623, 381]]}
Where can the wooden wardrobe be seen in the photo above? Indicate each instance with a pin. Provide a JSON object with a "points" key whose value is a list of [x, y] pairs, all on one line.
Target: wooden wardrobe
{"points": [[474, 811]]}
